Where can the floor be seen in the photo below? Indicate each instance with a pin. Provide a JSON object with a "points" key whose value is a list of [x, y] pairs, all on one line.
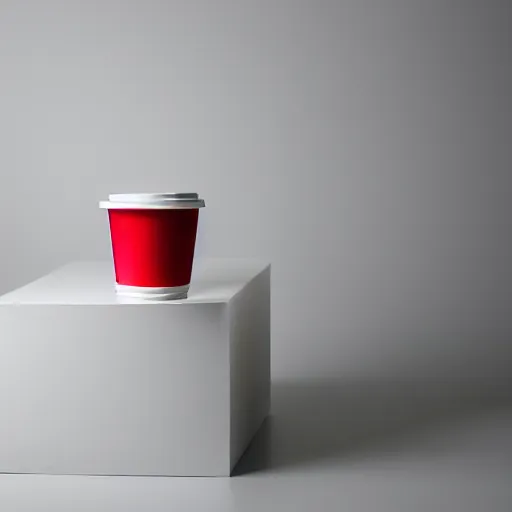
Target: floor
{"points": [[327, 446]]}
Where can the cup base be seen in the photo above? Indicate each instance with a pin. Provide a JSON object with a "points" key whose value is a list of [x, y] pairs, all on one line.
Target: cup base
{"points": [[150, 293]]}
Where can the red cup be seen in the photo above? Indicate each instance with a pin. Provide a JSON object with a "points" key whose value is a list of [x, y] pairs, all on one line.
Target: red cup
{"points": [[153, 241]]}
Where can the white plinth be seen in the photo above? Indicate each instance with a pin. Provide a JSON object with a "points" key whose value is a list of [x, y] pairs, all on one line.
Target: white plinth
{"points": [[94, 384]]}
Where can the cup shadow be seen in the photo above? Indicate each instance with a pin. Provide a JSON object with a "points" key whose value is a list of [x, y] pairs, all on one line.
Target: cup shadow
{"points": [[314, 421]]}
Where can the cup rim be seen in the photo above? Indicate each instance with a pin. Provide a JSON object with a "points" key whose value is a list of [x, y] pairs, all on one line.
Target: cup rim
{"points": [[153, 200]]}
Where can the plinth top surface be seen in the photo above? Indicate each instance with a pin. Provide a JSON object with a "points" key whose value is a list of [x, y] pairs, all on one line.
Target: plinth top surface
{"points": [[92, 282]]}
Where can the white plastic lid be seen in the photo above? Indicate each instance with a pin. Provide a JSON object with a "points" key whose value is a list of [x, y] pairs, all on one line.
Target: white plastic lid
{"points": [[159, 200]]}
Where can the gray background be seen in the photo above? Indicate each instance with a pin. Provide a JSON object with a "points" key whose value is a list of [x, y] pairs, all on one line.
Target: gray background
{"points": [[363, 148]]}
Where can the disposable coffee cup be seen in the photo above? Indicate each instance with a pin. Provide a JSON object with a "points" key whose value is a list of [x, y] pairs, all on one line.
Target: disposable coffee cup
{"points": [[153, 240]]}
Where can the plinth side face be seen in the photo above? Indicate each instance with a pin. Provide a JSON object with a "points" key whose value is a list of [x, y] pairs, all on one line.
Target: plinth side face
{"points": [[115, 389], [250, 362]]}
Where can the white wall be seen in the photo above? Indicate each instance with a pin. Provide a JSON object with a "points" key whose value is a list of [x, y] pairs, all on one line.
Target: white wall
{"points": [[363, 147]]}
